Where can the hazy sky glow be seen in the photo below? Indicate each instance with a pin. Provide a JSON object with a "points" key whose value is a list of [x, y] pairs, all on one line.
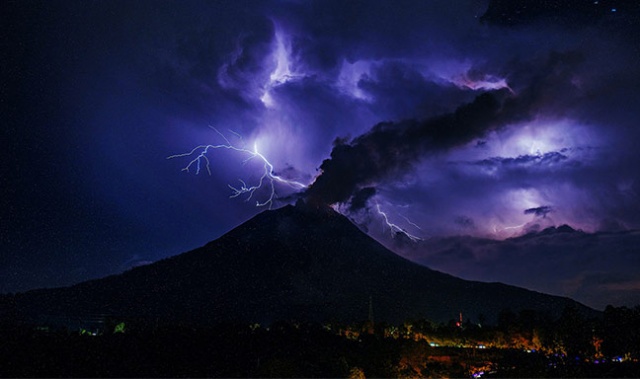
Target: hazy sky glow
{"points": [[482, 123]]}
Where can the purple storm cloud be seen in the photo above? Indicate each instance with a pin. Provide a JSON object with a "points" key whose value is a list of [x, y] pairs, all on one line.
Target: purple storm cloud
{"points": [[425, 115]]}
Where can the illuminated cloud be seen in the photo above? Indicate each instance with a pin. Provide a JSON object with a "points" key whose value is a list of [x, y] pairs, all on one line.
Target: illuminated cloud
{"points": [[389, 149], [284, 70]]}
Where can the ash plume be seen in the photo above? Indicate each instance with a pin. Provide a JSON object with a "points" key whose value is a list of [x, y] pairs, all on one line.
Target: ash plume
{"points": [[392, 148]]}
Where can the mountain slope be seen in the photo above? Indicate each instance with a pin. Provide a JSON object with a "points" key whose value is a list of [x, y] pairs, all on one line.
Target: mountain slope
{"points": [[296, 263]]}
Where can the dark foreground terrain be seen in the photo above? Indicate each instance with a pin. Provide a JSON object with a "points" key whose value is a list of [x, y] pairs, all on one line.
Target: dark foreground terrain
{"points": [[520, 345]]}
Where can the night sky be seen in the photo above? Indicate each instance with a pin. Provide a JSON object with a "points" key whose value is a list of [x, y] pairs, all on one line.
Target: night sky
{"points": [[420, 114]]}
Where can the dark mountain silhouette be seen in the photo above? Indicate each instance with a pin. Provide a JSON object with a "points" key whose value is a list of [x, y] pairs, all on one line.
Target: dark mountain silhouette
{"points": [[549, 231], [294, 263]]}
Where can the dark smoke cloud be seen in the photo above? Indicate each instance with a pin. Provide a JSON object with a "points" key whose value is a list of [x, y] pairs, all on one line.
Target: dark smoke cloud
{"points": [[539, 211], [359, 200], [465, 222], [545, 160], [391, 149]]}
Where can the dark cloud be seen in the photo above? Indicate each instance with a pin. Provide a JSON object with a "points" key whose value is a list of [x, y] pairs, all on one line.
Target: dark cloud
{"points": [[392, 148], [245, 67], [596, 269], [611, 225], [539, 211], [574, 13], [465, 222], [359, 200], [546, 160], [402, 89]]}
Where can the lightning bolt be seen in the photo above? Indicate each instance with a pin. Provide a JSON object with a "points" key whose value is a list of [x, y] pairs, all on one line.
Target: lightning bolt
{"points": [[395, 229], [268, 179], [487, 83], [497, 231], [411, 223]]}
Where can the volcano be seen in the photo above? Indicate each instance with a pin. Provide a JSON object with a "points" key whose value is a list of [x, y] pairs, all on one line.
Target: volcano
{"points": [[297, 263]]}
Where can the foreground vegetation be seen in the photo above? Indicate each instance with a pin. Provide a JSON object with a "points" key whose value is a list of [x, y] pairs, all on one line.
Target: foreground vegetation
{"points": [[518, 345]]}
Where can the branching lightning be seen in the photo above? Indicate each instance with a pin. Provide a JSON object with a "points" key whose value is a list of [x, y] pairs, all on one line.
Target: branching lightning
{"points": [[395, 229], [268, 178], [411, 223], [200, 160]]}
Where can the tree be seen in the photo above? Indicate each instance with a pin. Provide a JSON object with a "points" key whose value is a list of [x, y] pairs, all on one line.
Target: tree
{"points": [[575, 332], [356, 373]]}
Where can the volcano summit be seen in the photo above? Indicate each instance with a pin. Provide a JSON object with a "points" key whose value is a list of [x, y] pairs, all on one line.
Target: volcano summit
{"points": [[297, 263]]}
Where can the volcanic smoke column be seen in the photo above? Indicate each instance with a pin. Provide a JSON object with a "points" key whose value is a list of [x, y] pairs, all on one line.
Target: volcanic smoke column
{"points": [[390, 149]]}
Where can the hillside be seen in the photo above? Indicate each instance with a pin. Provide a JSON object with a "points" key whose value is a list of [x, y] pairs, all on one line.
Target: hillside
{"points": [[293, 263]]}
